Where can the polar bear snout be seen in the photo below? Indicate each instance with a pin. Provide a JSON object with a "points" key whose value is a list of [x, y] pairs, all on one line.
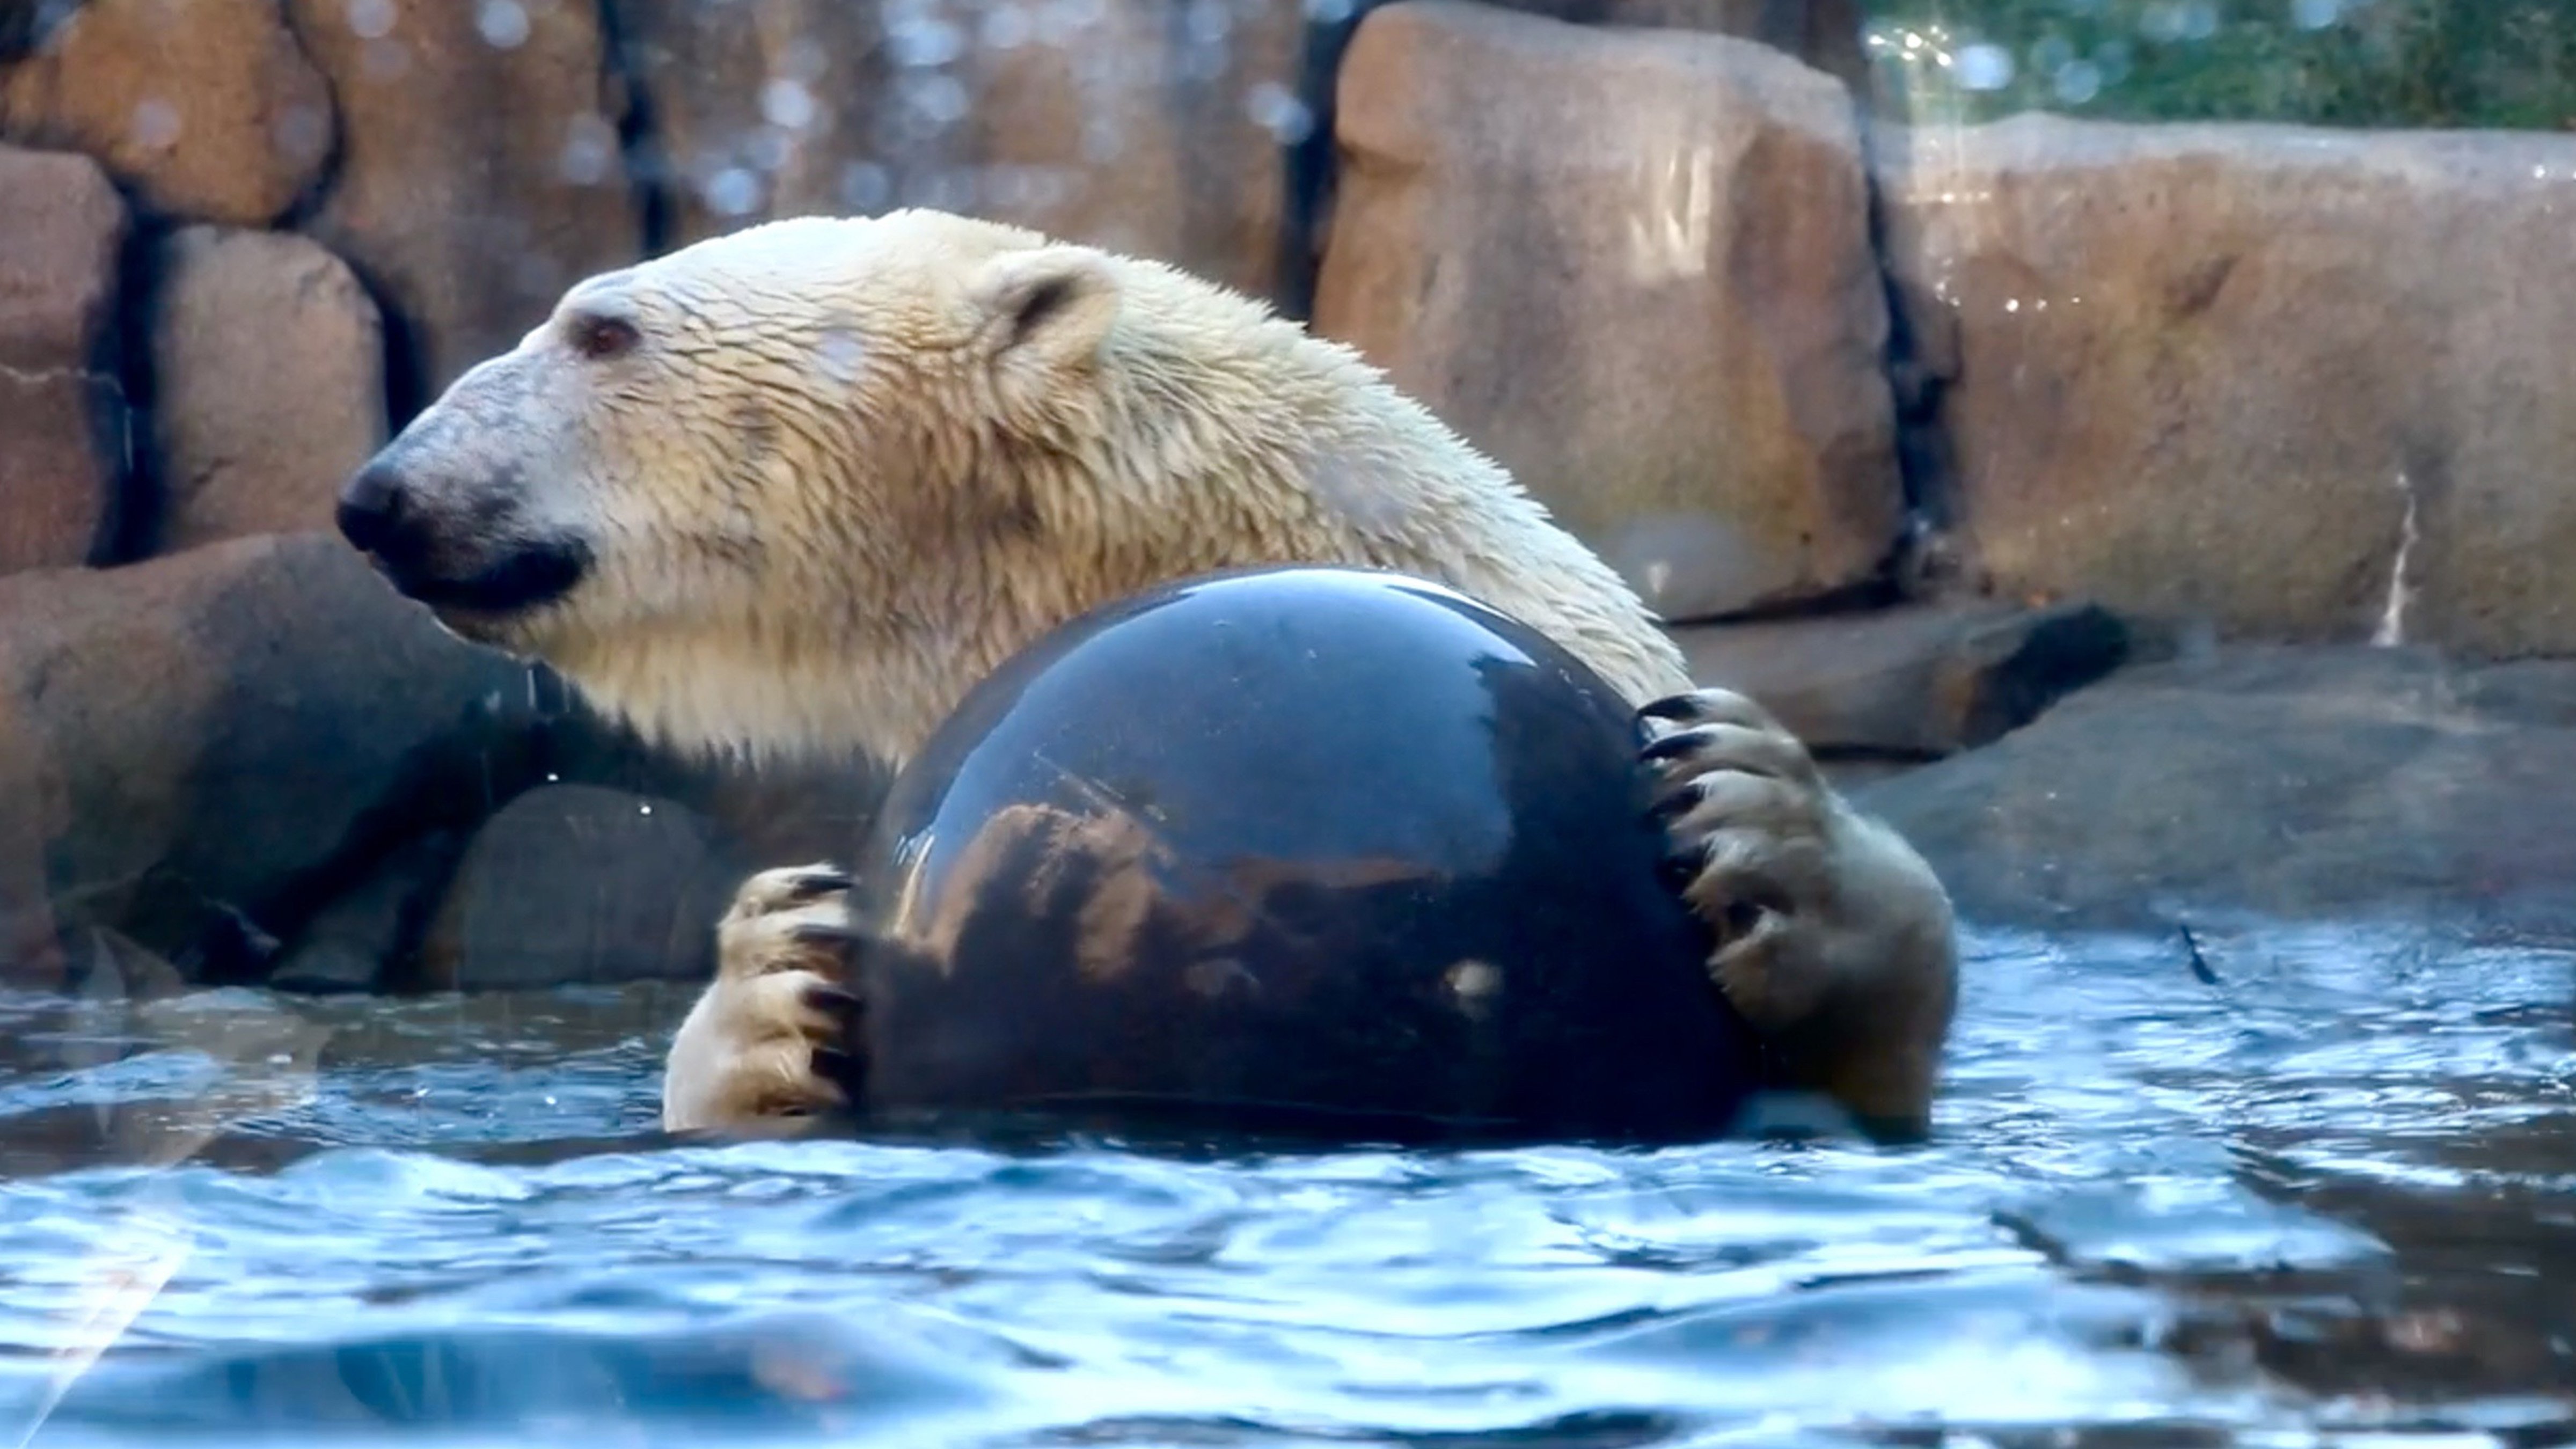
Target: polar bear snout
{"points": [[461, 549]]}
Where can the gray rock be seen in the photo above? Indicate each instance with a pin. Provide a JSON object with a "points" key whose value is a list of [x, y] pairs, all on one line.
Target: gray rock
{"points": [[203, 739], [580, 885], [2351, 783], [1919, 680]]}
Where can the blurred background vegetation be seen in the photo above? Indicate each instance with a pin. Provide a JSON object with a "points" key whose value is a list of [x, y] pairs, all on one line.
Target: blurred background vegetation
{"points": [[2444, 63]]}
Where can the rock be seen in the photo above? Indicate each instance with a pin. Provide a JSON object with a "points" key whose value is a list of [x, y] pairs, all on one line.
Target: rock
{"points": [[2310, 784], [1920, 680], [1132, 124], [2210, 375], [480, 170], [1824, 33], [223, 727], [363, 937], [264, 449], [207, 108], [580, 885], [1635, 267], [62, 408]]}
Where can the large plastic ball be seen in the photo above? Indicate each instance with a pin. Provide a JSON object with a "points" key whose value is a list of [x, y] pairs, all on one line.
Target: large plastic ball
{"points": [[1314, 851]]}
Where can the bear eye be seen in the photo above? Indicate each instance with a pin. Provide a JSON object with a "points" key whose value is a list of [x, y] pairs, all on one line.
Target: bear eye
{"points": [[599, 338]]}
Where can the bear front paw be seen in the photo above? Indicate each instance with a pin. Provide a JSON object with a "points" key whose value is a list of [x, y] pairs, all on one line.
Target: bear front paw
{"points": [[772, 1037], [1750, 823]]}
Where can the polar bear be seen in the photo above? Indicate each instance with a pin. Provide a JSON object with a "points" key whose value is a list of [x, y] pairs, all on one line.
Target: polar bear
{"points": [[796, 488]]}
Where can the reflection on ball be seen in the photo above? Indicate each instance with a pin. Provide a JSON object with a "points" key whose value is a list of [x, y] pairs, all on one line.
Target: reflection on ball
{"points": [[1305, 850]]}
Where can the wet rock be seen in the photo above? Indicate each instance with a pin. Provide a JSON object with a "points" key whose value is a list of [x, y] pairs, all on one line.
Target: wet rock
{"points": [[62, 409], [264, 449], [1106, 123], [1920, 680], [577, 885], [207, 108], [2323, 783], [219, 729], [480, 170], [1635, 267], [2214, 374], [361, 939]]}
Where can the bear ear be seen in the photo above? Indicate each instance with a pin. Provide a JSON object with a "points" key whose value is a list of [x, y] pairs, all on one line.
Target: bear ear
{"points": [[1045, 311]]}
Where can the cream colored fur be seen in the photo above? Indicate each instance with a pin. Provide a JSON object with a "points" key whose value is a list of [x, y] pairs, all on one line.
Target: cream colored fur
{"points": [[850, 465]]}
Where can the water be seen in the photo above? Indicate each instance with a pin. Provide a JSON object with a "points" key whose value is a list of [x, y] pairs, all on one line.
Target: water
{"points": [[2318, 1192]]}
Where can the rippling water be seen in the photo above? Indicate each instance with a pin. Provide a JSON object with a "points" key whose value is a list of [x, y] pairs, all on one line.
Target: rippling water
{"points": [[2321, 1191]]}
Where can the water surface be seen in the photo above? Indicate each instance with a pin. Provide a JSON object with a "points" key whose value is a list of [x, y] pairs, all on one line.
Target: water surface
{"points": [[2318, 1188]]}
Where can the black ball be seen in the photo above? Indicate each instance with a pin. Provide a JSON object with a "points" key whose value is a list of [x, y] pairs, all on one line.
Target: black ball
{"points": [[1314, 851]]}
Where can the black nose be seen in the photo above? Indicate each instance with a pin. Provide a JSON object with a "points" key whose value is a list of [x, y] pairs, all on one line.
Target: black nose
{"points": [[371, 508]]}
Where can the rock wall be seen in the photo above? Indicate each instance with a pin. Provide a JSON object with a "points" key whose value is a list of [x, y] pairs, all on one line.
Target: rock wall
{"points": [[2044, 386]]}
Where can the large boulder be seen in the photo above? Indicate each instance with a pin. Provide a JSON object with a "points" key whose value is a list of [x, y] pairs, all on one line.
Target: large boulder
{"points": [[1911, 682], [480, 169], [1131, 124], [1634, 266], [2280, 382], [578, 885], [207, 108], [2273, 783], [259, 449], [216, 737], [62, 404]]}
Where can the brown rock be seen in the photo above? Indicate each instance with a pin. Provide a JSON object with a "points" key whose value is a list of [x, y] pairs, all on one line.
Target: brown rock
{"points": [[1106, 123], [2344, 784], [1921, 680], [1824, 33], [575, 884], [2282, 382], [220, 727], [206, 107], [62, 409], [1635, 267], [259, 449], [480, 171]]}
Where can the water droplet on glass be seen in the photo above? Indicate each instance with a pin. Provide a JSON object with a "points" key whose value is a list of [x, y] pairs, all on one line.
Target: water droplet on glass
{"points": [[503, 24], [589, 149], [2315, 14], [1284, 116], [156, 124], [1006, 27], [734, 191], [2161, 22], [2200, 19], [787, 103], [303, 132], [384, 60], [865, 187], [2078, 82], [1985, 67], [927, 43], [839, 353], [371, 19], [1328, 12]]}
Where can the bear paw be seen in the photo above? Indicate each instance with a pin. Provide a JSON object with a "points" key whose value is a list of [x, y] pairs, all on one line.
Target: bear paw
{"points": [[1750, 821], [770, 1038], [1832, 936]]}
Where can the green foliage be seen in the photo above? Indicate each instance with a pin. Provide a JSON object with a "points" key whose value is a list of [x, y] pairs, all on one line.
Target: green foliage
{"points": [[2447, 63]]}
